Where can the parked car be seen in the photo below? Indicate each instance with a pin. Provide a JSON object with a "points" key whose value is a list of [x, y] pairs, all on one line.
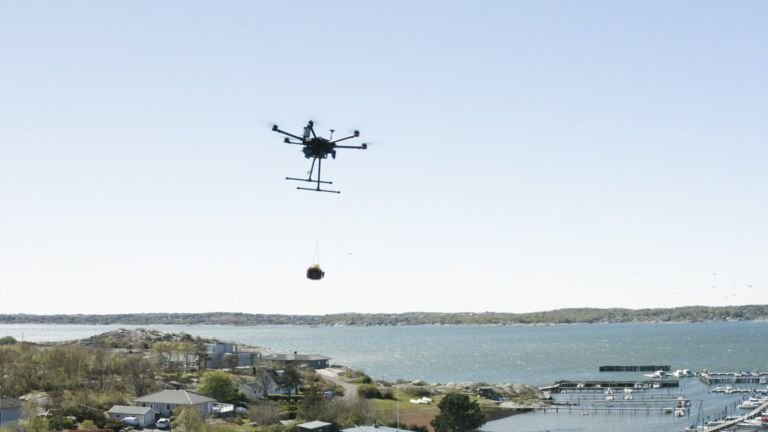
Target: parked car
{"points": [[163, 423], [130, 421]]}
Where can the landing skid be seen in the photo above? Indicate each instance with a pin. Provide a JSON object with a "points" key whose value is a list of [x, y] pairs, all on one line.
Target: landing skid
{"points": [[318, 190]]}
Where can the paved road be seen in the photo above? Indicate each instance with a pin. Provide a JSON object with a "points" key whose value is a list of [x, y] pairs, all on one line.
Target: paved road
{"points": [[350, 390]]}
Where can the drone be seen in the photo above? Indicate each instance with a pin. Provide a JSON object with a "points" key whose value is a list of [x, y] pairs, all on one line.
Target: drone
{"points": [[317, 148]]}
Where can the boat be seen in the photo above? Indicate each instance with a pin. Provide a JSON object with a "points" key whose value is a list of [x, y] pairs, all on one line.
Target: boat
{"points": [[752, 424], [748, 405], [657, 374]]}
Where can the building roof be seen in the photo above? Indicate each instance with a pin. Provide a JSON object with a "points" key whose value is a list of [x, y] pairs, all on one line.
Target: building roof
{"points": [[374, 428], [317, 424], [131, 410], [177, 397], [10, 403]]}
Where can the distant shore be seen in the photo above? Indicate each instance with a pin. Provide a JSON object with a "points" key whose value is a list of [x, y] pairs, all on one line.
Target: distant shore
{"points": [[686, 314]]}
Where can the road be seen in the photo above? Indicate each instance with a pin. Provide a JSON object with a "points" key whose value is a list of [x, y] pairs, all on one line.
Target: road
{"points": [[350, 390]]}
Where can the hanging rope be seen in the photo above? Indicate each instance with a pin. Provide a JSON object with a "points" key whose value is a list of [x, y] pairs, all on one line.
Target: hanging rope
{"points": [[316, 255]]}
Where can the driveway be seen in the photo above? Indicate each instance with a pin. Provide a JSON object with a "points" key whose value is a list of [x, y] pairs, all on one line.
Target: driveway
{"points": [[350, 390]]}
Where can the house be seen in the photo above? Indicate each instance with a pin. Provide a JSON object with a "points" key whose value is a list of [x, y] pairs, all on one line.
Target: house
{"points": [[315, 426], [487, 392], [10, 411], [374, 428], [166, 401], [227, 355], [266, 382], [315, 361], [145, 416]]}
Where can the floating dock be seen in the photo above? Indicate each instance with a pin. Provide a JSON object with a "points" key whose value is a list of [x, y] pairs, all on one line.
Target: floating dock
{"points": [[710, 378], [595, 385], [644, 368]]}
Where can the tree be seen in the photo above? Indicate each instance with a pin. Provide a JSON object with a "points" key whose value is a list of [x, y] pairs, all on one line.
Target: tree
{"points": [[189, 420], [292, 378], [264, 412], [218, 385], [313, 404], [88, 425], [458, 414], [138, 372], [31, 422]]}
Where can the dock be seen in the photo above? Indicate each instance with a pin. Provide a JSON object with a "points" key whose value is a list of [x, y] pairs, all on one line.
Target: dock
{"points": [[635, 368], [600, 385], [710, 378]]}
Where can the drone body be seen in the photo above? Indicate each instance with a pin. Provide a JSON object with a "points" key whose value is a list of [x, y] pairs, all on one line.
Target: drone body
{"points": [[317, 148]]}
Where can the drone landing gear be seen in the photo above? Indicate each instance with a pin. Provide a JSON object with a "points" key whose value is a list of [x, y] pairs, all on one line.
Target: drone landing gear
{"points": [[310, 180]]}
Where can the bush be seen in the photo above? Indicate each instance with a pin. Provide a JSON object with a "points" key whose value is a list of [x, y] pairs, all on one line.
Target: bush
{"points": [[283, 398], [7, 340], [413, 427], [357, 376], [417, 391], [368, 391]]}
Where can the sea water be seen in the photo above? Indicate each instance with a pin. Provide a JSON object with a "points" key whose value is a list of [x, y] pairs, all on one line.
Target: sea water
{"points": [[536, 355]]}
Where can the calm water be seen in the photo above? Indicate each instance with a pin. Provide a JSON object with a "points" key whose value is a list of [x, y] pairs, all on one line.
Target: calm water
{"points": [[533, 355]]}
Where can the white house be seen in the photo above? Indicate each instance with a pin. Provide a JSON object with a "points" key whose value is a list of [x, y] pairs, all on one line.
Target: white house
{"points": [[10, 411], [264, 381], [145, 416], [166, 401]]}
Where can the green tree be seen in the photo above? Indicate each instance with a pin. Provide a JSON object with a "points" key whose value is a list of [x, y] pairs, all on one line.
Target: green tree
{"points": [[312, 404], [292, 378], [189, 420], [458, 414], [88, 425], [218, 385]]}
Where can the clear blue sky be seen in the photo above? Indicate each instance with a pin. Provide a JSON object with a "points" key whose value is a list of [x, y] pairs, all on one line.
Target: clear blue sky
{"points": [[529, 155]]}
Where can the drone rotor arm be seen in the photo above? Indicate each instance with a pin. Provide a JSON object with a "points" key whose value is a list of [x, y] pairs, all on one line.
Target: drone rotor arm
{"points": [[280, 131], [345, 138], [360, 147]]}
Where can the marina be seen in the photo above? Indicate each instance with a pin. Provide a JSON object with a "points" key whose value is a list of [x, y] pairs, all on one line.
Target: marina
{"points": [[641, 402]]}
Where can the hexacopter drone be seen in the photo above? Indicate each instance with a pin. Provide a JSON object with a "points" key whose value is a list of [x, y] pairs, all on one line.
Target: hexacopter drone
{"points": [[317, 148]]}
